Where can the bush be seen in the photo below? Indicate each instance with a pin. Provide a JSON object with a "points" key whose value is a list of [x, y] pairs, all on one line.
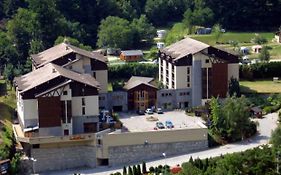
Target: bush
{"points": [[151, 169], [125, 71], [260, 70]]}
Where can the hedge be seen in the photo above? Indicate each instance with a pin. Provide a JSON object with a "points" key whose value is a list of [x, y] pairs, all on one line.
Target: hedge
{"points": [[125, 71], [260, 71]]}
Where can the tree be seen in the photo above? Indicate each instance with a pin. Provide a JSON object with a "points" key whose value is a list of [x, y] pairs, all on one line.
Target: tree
{"points": [[189, 20], [73, 42], [115, 32], [258, 39], [21, 31], [138, 169], [276, 137], [144, 168], [217, 32], [11, 6], [124, 170], [177, 33], [143, 29], [130, 171], [264, 55], [234, 87]]}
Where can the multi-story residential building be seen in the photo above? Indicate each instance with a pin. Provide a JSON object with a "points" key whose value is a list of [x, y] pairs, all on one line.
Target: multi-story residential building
{"points": [[54, 101], [75, 59], [200, 69]]}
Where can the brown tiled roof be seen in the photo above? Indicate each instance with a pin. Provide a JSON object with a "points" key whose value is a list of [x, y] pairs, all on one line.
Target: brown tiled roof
{"points": [[184, 47], [136, 81], [60, 50], [49, 72]]}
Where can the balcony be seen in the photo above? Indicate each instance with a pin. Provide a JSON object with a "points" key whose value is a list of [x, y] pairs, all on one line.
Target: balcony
{"points": [[20, 136]]}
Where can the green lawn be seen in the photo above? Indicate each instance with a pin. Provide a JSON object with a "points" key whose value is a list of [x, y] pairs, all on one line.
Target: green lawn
{"points": [[7, 101], [262, 86], [241, 37]]}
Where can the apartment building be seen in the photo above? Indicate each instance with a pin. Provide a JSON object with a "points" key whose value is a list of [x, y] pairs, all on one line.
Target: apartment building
{"points": [[204, 71], [75, 59]]}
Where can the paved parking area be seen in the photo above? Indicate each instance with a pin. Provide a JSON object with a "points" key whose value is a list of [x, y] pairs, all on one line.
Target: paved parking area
{"points": [[137, 123]]}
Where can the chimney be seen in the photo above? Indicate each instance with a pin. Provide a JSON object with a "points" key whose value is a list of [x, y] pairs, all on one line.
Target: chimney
{"points": [[54, 70]]}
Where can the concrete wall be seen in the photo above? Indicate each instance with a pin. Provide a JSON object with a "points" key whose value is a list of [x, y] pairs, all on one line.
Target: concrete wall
{"points": [[140, 139], [78, 123], [123, 148], [176, 99], [102, 78], [233, 71], [48, 159], [111, 99], [91, 105], [30, 114], [180, 77], [120, 155], [196, 80], [50, 131]]}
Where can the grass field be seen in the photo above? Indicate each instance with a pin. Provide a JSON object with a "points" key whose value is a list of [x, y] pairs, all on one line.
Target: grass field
{"points": [[263, 86], [241, 37], [7, 101]]}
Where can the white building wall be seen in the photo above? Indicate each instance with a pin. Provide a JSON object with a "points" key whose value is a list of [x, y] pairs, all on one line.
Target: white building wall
{"points": [[159, 69], [91, 105], [164, 72], [180, 77], [233, 71], [20, 108], [102, 78], [30, 109], [170, 75], [78, 66]]}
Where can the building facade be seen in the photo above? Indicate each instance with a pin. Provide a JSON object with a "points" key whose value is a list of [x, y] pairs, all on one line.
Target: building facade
{"points": [[201, 70]]}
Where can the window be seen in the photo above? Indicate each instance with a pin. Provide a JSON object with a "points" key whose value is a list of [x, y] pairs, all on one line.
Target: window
{"points": [[64, 93], [94, 74], [83, 110], [188, 79], [163, 95], [83, 101], [188, 84], [207, 61], [188, 70]]}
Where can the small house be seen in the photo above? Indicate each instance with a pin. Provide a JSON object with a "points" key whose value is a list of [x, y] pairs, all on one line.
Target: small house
{"points": [[256, 112], [161, 33], [278, 37], [256, 48], [131, 55]]}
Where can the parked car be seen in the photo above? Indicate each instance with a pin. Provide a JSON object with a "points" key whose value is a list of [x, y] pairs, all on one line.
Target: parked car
{"points": [[169, 124], [160, 125], [159, 111], [140, 112], [149, 111]]}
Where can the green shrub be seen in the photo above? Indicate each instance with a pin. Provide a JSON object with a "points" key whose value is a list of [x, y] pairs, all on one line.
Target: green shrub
{"points": [[151, 169]]}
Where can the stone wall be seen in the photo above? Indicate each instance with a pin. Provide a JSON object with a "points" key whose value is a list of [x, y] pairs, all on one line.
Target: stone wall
{"points": [[48, 159], [120, 155]]}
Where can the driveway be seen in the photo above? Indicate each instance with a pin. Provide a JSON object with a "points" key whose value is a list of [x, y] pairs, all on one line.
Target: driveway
{"points": [[266, 126]]}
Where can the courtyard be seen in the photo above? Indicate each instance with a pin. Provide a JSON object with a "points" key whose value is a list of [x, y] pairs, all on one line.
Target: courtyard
{"points": [[139, 123]]}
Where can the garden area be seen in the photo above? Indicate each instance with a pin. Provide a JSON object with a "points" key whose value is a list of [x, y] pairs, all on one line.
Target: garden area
{"points": [[7, 101]]}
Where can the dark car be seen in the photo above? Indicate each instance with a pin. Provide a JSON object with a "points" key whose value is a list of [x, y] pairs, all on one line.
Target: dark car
{"points": [[160, 125]]}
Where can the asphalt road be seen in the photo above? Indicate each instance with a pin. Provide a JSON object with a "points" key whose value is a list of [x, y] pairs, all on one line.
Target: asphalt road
{"points": [[266, 126]]}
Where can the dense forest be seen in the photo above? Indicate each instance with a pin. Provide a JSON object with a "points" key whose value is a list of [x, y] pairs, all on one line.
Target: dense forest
{"points": [[30, 26]]}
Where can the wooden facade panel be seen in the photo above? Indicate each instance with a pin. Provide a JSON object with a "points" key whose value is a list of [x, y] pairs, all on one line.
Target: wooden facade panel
{"points": [[219, 79], [49, 110], [150, 92], [79, 89], [98, 65]]}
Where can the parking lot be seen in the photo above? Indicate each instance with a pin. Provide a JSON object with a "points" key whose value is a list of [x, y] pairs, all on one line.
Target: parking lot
{"points": [[137, 123]]}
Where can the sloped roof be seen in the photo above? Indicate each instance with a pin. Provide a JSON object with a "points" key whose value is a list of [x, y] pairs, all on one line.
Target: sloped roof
{"points": [[136, 81], [60, 50], [131, 52], [49, 72], [184, 47]]}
